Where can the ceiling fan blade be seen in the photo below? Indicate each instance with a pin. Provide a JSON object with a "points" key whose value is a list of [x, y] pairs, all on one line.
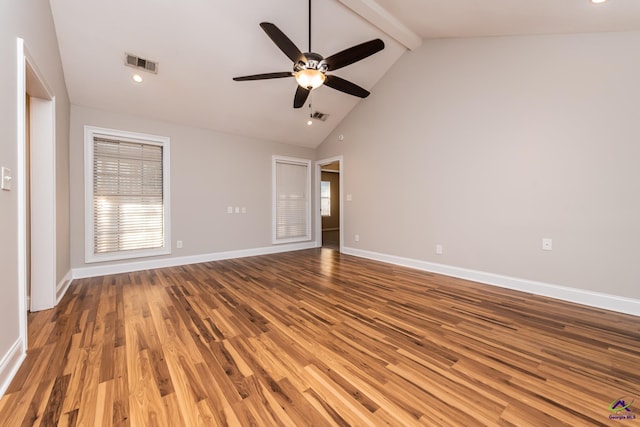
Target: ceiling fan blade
{"points": [[301, 97], [354, 54], [346, 86], [264, 76], [283, 42]]}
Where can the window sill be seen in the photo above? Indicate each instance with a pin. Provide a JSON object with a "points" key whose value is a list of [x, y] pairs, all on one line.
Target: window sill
{"points": [[123, 255]]}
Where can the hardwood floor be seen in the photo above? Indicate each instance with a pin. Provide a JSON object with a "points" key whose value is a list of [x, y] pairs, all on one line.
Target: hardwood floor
{"points": [[318, 338]]}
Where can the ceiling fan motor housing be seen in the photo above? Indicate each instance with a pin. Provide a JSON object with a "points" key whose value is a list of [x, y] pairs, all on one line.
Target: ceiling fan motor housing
{"points": [[314, 61]]}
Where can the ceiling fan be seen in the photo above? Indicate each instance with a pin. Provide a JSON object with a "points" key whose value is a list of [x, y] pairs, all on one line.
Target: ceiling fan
{"points": [[310, 68]]}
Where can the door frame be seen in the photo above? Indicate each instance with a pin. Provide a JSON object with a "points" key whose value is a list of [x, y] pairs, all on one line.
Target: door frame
{"points": [[43, 188], [318, 217]]}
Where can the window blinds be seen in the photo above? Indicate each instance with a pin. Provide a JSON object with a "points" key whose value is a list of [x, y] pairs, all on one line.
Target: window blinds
{"points": [[127, 196], [292, 200]]}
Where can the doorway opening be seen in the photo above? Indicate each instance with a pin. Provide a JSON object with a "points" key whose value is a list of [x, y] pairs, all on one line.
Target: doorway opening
{"points": [[329, 202]]}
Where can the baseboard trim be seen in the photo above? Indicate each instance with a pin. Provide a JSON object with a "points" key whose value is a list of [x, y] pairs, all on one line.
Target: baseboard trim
{"points": [[579, 296], [127, 267], [63, 285], [10, 364]]}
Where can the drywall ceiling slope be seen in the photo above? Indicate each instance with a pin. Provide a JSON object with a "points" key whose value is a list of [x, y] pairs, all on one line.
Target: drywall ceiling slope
{"points": [[473, 18]]}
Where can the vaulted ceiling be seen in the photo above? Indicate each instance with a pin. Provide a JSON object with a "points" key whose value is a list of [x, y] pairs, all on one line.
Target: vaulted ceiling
{"points": [[200, 45]]}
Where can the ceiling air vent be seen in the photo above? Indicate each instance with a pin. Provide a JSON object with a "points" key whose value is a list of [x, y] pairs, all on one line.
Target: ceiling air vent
{"points": [[320, 116], [141, 63]]}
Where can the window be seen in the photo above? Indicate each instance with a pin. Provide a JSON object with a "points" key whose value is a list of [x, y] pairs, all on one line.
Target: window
{"points": [[325, 198], [126, 195], [291, 200]]}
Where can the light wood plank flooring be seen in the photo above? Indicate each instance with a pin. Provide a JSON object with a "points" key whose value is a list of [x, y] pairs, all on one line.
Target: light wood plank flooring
{"points": [[318, 338]]}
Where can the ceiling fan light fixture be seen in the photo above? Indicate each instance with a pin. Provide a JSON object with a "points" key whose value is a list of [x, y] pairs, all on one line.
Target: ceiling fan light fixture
{"points": [[310, 78]]}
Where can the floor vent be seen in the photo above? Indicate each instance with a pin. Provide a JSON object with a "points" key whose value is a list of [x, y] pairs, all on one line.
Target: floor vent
{"points": [[141, 63]]}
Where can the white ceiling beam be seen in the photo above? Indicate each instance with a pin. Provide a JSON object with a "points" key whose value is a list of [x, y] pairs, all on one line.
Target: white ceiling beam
{"points": [[389, 24]]}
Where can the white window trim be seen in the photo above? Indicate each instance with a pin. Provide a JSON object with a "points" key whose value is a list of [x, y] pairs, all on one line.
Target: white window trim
{"points": [[89, 133], [274, 160]]}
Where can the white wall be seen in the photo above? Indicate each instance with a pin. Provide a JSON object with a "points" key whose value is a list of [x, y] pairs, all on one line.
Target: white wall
{"points": [[209, 172], [30, 20], [488, 145]]}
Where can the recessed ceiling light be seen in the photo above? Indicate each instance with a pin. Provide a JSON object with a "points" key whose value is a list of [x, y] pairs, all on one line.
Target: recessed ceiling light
{"points": [[598, 1], [137, 78], [309, 122]]}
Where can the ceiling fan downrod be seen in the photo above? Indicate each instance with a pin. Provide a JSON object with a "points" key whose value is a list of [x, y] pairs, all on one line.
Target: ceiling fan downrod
{"points": [[309, 25]]}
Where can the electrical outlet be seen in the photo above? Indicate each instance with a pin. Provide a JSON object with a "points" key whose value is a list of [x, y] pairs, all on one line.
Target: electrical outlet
{"points": [[439, 249], [229, 209], [179, 244], [547, 244], [356, 238]]}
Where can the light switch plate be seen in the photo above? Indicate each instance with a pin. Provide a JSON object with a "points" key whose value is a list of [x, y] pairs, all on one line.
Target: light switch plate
{"points": [[6, 178]]}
